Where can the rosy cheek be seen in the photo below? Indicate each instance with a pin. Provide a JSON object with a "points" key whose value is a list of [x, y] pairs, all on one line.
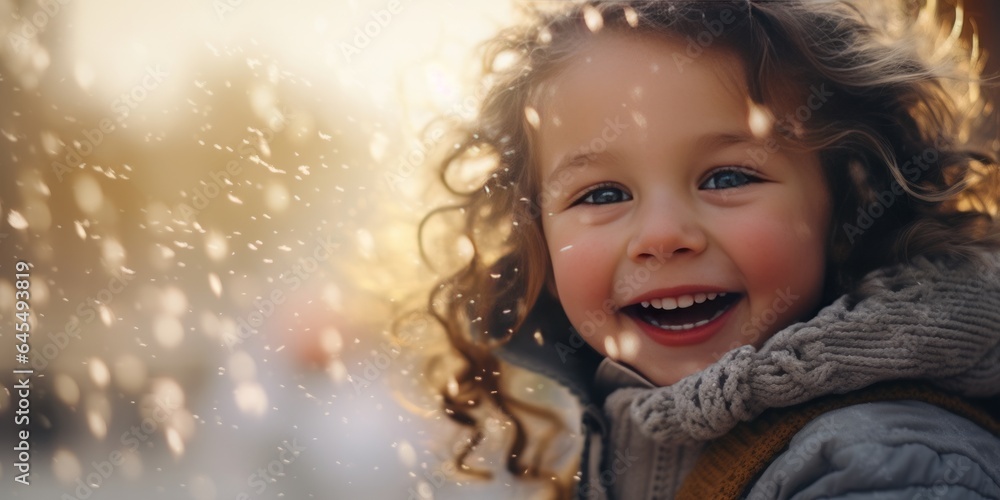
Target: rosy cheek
{"points": [[571, 246], [783, 267], [760, 248], [569, 260], [772, 256], [583, 272]]}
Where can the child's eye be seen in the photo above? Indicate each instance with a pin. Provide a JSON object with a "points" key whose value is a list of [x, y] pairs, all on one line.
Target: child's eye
{"points": [[729, 178], [603, 195]]}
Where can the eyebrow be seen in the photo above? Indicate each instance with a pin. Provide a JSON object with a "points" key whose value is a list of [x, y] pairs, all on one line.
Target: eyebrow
{"points": [[724, 139], [708, 142], [577, 161]]}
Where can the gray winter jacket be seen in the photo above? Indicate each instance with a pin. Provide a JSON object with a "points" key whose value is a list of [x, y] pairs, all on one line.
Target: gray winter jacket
{"points": [[928, 321], [888, 450]]}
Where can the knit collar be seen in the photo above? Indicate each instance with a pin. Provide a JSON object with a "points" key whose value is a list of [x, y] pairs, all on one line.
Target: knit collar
{"points": [[929, 320], [932, 321]]}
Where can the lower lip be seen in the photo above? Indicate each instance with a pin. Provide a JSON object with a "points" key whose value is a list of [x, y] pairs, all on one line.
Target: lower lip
{"points": [[683, 338]]}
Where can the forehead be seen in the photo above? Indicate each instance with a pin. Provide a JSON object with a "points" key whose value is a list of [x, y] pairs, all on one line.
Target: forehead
{"points": [[635, 87], [629, 60]]}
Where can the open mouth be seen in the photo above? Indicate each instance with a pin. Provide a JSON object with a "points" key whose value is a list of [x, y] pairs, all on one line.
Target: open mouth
{"points": [[684, 312]]}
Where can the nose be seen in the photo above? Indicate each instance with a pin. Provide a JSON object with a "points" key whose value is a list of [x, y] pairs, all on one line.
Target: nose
{"points": [[666, 228]]}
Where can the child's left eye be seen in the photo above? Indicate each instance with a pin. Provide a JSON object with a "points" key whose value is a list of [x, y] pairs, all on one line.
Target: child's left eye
{"points": [[729, 178]]}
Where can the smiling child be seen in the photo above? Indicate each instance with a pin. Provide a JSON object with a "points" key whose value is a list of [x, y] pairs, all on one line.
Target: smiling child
{"points": [[756, 239]]}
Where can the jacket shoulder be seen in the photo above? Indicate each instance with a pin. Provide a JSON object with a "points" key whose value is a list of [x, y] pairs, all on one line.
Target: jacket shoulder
{"points": [[887, 449]]}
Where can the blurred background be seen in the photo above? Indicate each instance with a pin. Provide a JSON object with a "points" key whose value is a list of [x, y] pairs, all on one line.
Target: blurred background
{"points": [[217, 199]]}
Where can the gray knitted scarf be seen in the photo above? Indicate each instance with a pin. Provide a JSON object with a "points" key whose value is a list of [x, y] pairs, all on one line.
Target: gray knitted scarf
{"points": [[924, 321]]}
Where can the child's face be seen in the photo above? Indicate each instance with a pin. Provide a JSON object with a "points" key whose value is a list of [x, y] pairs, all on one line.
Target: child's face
{"points": [[648, 207]]}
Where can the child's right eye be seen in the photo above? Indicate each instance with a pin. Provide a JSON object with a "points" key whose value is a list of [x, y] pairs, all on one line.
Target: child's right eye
{"points": [[603, 195]]}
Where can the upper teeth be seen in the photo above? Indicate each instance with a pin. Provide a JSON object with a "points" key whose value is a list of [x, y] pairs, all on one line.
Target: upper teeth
{"points": [[681, 301]]}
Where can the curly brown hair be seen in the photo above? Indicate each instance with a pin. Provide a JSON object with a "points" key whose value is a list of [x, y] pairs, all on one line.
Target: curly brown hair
{"points": [[897, 140]]}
